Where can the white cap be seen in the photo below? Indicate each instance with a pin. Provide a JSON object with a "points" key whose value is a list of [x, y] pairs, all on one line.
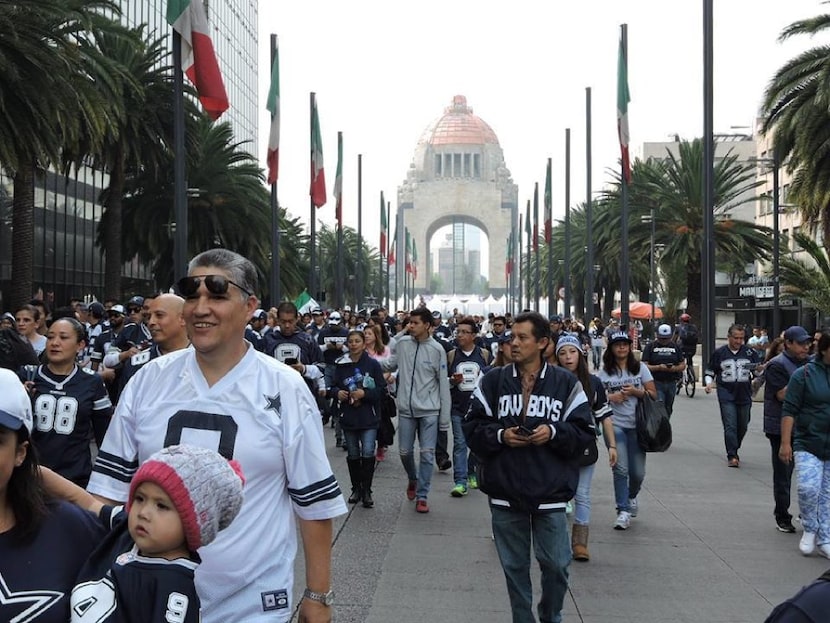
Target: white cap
{"points": [[15, 406], [664, 330], [334, 318]]}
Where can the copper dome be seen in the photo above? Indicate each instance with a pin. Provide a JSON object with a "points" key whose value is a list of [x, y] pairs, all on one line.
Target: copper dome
{"points": [[459, 126]]}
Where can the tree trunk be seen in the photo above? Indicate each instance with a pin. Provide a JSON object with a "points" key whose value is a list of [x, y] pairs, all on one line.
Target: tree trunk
{"points": [[693, 296], [23, 236], [112, 236]]}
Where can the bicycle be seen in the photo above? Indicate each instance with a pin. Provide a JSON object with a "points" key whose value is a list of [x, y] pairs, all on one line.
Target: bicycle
{"points": [[688, 381]]}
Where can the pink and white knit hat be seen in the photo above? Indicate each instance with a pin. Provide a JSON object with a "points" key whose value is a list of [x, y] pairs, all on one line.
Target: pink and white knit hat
{"points": [[205, 488]]}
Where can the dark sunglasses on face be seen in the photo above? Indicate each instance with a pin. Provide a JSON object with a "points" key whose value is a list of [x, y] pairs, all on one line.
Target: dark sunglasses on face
{"points": [[134, 310], [215, 284]]}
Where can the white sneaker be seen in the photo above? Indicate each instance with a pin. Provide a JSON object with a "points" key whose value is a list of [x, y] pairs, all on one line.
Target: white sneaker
{"points": [[807, 544], [824, 550], [633, 507], [624, 521]]}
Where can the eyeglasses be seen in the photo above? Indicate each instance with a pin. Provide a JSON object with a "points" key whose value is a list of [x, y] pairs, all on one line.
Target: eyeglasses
{"points": [[215, 284]]}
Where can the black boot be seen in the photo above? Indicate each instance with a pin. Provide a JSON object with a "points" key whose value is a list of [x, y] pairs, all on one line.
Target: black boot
{"points": [[356, 476], [367, 470]]}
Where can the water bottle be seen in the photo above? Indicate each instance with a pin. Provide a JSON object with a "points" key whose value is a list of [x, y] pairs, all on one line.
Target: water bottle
{"points": [[357, 380]]}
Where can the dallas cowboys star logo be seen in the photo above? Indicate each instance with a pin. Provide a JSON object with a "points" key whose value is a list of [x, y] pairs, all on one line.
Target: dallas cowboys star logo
{"points": [[274, 403], [40, 601]]}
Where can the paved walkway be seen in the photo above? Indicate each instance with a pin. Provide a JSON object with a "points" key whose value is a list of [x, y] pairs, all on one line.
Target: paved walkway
{"points": [[704, 547]]}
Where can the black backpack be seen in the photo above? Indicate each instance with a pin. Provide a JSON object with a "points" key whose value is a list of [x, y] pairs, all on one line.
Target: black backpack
{"points": [[688, 334]]}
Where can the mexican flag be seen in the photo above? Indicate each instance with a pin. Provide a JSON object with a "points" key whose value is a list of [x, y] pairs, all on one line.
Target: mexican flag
{"points": [[408, 251], [384, 226], [390, 258], [338, 182], [623, 97], [189, 20], [548, 205], [318, 177], [273, 106], [414, 260]]}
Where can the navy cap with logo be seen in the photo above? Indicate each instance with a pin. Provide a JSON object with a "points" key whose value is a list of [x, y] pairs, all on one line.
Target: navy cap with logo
{"points": [[619, 336], [556, 318]]}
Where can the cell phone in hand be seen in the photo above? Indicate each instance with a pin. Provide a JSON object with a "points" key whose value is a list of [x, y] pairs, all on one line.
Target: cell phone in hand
{"points": [[291, 361], [524, 430]]}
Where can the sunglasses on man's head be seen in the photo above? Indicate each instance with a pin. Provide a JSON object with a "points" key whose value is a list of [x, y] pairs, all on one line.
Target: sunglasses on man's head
{"points": [[215, 284]]}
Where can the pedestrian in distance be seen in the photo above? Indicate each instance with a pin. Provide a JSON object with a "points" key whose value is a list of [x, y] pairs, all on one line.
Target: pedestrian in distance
{"points": [[777, 373], [732, 367], [666, 362], [626, 381], [528, 424], [569, 356]]}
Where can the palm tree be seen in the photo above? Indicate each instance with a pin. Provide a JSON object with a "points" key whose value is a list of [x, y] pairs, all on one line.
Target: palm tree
{"points": [[49, 102], [141, 139], [673, 188], [361, 261], [228, 206], [809, 281], [795, 111]]}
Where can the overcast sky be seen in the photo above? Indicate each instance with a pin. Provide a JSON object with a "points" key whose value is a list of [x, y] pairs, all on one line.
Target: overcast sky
{"points": [[383, 70]]}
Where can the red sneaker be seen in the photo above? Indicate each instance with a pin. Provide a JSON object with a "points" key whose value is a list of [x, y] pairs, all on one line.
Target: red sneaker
{"points": [[410, 490], [421, 506]]}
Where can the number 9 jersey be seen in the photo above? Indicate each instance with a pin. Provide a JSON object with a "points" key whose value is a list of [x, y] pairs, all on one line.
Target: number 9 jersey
{"points": [[67, 410]]}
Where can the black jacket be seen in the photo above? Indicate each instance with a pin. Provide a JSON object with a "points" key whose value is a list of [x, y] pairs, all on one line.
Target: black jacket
{"points": [[532, 478]]}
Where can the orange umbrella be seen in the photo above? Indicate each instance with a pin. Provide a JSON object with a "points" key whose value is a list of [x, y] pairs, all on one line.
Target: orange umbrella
{"points": [[639, 311]]}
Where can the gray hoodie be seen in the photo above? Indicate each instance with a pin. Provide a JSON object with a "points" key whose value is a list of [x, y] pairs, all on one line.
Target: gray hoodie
{"points": [[423, 384]]}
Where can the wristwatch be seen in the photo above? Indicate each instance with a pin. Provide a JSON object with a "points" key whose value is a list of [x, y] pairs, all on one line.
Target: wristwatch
{"points": [[327, 599]]}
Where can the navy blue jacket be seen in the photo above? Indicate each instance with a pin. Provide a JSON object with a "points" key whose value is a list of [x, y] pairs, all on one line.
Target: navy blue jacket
{"points": [[366, 413]]}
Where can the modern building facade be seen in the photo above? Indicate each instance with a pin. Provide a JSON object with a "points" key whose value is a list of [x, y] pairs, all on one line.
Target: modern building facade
{"points": [[68, 210]]}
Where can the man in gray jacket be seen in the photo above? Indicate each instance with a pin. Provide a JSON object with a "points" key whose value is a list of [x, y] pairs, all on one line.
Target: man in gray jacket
{"points": [[423, 400]]}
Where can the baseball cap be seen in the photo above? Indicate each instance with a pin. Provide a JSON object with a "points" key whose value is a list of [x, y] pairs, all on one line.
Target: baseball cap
{"points": [[137, 301], [15, 406], [556, 318], [505, 337], [664, 330], [117, 309], [316, 312], [259, 314], [83, 307], [567, 340], [619, 336], [96, 309], [335, 318], [436, 314], [797, 334]]}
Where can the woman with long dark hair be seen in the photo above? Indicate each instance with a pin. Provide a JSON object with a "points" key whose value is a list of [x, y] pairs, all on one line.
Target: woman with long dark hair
{"points": [[626, 382], [569, 355], [69, 403], [43, 544]]}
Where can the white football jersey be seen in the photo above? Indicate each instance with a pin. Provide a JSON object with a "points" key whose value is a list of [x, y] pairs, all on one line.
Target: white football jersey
{"points": [[262, 414]]}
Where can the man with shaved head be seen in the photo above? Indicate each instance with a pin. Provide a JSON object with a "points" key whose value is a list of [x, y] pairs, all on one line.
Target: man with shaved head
{"points": [[168, 331]]}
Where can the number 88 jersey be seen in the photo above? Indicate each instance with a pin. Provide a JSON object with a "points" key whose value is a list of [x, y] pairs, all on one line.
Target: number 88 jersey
{"points": [[66, 410]]}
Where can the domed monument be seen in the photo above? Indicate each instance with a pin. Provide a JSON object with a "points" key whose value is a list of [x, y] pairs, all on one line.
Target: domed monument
{"points": [[458, 176]]}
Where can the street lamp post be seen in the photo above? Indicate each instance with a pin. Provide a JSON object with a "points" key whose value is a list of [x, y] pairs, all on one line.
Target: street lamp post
{"points": [[776, 248], [651, 294]]}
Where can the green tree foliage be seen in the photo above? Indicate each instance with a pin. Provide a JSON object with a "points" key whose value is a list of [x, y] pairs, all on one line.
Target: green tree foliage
{"points": [[809, 281]]}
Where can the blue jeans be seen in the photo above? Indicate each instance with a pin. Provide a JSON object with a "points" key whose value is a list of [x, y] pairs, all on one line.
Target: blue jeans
{"points": [[426, 428], [582, 498], [512, 531], [666, 391], [735, 420], [459, 450], [360, 443], [596, 353], [630, 470]]}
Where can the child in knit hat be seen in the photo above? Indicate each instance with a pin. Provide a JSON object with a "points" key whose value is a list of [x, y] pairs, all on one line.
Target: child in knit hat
{"points": [[180, 498]]}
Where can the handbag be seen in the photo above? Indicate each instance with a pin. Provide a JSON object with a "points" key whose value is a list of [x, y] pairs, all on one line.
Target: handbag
{"points": [[653, 425], [589, 456]]}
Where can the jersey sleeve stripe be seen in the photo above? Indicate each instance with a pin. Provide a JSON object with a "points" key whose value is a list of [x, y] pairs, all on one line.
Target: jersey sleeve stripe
{"points": [[115, 467], [576, 399], [479, 395], [322, 490], [101, 404]]}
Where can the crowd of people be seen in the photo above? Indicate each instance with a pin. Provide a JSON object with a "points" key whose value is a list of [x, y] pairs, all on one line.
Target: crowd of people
{"points": [[147, 413]]}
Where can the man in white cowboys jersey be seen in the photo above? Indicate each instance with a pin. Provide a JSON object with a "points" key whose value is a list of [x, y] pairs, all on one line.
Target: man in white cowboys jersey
{"points": [[223, 395]]}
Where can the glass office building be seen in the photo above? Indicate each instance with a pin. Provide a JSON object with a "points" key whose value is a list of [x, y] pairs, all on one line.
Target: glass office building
{"points": [[67, 262]]}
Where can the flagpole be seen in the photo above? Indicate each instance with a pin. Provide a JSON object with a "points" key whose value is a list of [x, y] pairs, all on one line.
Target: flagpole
{"points": [[359, 259], [382, 250], [179, 173], [549, 237], [589, 207], [339, 272], [566, 281], [624, 274], [521, 268], [388, 248], [538, 291], [707, 309], [312, 282], [529, 276], [276, 295]]}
